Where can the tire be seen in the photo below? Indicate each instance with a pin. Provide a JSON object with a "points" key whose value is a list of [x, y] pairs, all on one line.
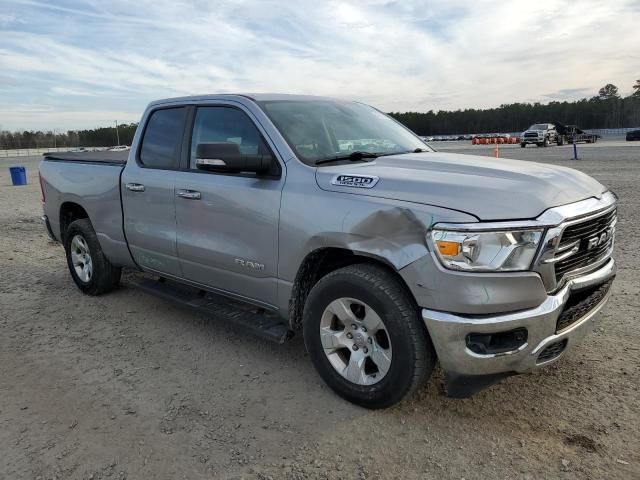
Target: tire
{"points": [[560, 141], [89, 268], [403, 342], [545, 143], [523, 145]]}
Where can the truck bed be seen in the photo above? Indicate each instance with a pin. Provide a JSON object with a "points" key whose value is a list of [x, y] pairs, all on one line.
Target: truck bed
{"points": [[104, 157], [90, 180]]}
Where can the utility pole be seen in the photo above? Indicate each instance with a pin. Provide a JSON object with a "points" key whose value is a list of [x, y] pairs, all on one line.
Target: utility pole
{"points": [[117, 134]]}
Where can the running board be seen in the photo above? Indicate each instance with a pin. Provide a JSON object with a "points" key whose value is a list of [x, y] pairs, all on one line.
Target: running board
{"points": [[253, 319]]}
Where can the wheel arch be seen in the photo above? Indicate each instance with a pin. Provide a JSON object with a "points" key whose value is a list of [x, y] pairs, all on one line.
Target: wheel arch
{"points": [[323, 261], [70, 212]]}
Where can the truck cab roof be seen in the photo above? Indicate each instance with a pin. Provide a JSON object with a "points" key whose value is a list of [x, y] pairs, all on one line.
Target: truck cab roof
{"points": [[256, 97]]}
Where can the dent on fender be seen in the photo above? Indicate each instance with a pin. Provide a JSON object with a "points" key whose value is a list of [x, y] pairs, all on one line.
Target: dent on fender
{"points": [[396, 234]]}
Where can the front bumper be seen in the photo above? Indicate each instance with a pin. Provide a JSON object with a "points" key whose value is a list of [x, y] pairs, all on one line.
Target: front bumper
{"points": [[468, 371]]}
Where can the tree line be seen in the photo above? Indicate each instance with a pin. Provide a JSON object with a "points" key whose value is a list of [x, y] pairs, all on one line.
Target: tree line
{"points": [[96, 137], [606, 110]]}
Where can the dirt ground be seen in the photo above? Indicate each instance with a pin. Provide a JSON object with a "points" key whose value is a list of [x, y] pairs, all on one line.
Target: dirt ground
{"points": [[129, 386]]}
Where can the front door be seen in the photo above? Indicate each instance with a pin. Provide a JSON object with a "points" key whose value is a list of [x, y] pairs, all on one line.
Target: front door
{"points": [[148, 197], [227, 224]]}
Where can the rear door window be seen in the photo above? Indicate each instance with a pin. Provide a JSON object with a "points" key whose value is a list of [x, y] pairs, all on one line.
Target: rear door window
{"points": [[161, 142]]}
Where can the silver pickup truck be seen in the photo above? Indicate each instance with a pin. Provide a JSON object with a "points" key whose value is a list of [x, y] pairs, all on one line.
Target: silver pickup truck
{"points": [[305, 214]]}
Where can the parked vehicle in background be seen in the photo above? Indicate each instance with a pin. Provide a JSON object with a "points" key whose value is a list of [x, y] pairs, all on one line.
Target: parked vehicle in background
{"points": [[306, 214], [572, 133], [119, 148], [540, 134], [633, 135]]}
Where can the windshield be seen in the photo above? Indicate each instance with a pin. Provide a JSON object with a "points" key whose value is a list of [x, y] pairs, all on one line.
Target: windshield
{"points": [[538, 126], [322, 129]]}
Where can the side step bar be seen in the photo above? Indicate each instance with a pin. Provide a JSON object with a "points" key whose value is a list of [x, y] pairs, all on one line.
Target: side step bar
{"points": [[253, 319]]}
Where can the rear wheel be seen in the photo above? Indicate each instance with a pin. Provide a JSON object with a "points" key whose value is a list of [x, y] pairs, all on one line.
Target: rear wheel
{"points": [[89, 268], [522, 145], [364, 335]]}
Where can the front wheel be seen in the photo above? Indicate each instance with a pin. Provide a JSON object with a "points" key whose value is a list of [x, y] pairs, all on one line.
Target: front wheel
{"points": [[523, 145], [365, 337], [90, 269]]}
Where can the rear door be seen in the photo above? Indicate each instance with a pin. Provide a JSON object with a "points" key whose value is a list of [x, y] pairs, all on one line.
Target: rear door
{"points": [[148, 196], [228, 223]]}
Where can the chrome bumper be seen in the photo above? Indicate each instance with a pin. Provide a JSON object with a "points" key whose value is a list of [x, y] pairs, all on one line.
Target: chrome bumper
{"points": [[449, 331]]}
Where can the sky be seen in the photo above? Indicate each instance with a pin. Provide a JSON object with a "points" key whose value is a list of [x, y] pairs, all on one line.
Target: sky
{"points": [[81, 64]]}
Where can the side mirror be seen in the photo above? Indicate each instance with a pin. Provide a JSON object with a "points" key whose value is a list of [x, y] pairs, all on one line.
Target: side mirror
{"points": [[226, 157]]}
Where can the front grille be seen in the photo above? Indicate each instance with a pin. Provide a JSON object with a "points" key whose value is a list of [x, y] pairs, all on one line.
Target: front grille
{"points": [[583, 234], [531, 135], [581, 303], [552, 351]]}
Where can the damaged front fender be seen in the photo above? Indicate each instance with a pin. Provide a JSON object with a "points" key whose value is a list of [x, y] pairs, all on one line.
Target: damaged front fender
{"points": [[394, 234], [391, 231]]}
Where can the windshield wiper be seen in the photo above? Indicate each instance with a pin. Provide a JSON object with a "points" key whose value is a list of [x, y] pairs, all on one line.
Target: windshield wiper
{"points": [[353, 157], [416, 150]]}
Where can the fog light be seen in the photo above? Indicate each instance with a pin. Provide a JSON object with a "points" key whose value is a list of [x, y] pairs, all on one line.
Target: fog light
{"points": [[496, 343]]}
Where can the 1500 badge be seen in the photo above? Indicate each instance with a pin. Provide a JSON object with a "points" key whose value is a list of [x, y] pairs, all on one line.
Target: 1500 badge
{"points": [[357, 181]]}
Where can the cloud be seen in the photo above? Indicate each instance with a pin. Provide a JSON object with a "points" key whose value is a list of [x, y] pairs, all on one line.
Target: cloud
{"points": [[93, 57], [75, 92], [30, 117], [570, 94]]}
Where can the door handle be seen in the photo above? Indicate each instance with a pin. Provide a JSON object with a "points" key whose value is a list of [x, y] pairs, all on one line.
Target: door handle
{"points": [[189, 194], [135, 187]]}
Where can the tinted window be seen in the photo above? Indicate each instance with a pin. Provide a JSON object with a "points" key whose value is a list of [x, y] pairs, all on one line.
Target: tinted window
{"points": [[539, 126], [222, 124], [160, 145]]}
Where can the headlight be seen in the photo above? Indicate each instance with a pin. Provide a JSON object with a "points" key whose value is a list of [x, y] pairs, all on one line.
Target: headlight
{"points": [[486, 251]]}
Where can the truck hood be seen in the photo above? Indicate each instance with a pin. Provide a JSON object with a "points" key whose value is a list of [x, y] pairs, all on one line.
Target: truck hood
{"points": [[486, 187]]}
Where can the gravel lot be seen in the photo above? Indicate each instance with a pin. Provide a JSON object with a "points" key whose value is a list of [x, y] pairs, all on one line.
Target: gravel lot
{"points": [[129, 386]]}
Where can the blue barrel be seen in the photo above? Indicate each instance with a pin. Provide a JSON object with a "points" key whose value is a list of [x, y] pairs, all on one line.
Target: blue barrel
{"points": [[18, 175]]}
